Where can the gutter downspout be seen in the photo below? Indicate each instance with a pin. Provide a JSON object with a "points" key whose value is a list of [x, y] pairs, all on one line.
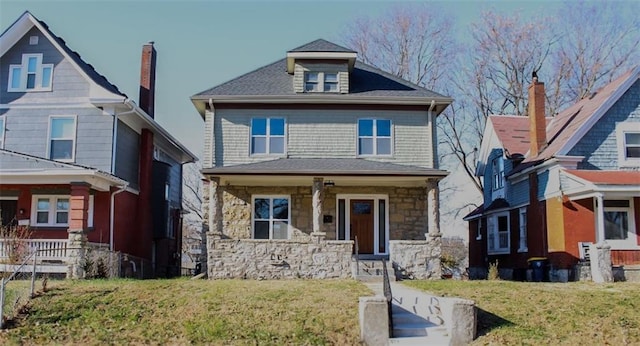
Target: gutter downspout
{"points": [[112, 213]]}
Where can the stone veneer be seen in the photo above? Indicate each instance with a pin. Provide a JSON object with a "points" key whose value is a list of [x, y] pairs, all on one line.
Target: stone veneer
{"points": [[278, 259], [417, 259], [407, 210]]}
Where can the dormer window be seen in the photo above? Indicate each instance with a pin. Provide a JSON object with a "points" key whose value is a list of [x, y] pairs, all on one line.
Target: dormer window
{"points": [[31, 75], [321, 81], [498, 173]]}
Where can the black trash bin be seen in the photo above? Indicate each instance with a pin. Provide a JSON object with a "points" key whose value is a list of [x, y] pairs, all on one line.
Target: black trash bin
{"points": [[538, 266]]}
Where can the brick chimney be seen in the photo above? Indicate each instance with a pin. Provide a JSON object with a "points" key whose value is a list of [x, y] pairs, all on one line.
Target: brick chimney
{"points": [[148, 78], [537, 122]]}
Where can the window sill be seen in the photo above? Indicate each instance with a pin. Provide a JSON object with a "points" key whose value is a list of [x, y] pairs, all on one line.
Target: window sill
{"points": [[523, 250], [28, 90], [499, 252]]}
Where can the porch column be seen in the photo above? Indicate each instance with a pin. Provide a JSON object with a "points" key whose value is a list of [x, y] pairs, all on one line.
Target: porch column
{"points": [[317, 191], [215, 206], [78, 219], [433, 207], [599, 218]]}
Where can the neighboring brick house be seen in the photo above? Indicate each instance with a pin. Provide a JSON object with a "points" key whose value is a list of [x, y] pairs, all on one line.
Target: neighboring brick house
{"points": [[79, 158], [553, 186], [319, 148]]}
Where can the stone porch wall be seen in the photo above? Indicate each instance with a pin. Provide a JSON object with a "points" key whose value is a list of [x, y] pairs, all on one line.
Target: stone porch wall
{"points": [[278, 259], [417, 259]]}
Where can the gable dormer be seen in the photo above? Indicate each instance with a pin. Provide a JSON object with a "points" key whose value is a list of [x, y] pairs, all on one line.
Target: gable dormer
{"points": [[321, 67]]}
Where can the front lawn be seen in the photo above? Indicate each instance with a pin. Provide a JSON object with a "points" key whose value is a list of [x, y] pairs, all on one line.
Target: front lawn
{"points": [[186, 311], [521, 313]]}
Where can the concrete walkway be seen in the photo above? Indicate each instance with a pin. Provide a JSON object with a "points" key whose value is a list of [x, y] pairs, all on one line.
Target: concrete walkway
{"points": [[417, 316]]}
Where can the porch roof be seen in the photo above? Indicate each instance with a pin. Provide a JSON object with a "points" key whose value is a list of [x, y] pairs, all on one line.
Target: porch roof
{"points": [[346, 171], [608, 177], [585, 183], [20, 168]]}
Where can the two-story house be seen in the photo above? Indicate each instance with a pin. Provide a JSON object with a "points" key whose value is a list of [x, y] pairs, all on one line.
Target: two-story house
{"points": [[315, 157], [80, 159], [554, 185]]}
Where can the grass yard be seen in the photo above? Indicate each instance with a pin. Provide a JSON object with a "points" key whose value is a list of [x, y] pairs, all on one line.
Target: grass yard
{"points": [[95, 312], [520, 313]]}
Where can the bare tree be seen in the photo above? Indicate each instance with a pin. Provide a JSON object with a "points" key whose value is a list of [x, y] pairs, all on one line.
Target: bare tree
{"points": [[599, 41], [411, 42], [192, 202], [574, 50]]}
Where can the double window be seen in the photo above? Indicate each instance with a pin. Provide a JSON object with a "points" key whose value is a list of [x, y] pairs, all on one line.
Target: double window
{"points": [[628, 137], [271, 217], [62, 138], [498, 233], [321, 81], [374, 137], [53, 210], [267, 136], [30, 75]]}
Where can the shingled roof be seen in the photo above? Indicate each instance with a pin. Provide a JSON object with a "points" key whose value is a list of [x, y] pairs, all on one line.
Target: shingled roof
{"points": [[273, 80], [321, 45], [360, 167]]}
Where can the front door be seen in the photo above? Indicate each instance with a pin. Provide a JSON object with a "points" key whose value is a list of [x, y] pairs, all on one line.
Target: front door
{"points": [[8, 211], [362, 224]]}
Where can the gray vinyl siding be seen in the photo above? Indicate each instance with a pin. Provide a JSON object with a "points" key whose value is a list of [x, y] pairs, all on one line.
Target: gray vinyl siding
{"points": [[175, 180], [599, 145], [324, 134], [27, 131], [128, 154], [67, 82]]}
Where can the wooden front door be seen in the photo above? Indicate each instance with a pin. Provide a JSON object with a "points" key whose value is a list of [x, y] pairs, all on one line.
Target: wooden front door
{"points": [[362, 224]]}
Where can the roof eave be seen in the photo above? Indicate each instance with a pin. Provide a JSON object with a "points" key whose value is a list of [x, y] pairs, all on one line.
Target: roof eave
{"points": [[441, 103]]}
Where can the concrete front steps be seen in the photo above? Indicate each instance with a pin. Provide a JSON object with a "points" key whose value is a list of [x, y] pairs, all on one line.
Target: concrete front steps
{"points": [[417, 318], [371, 270]]}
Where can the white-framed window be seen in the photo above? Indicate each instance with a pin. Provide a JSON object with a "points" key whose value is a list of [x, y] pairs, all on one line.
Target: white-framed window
{"points": [[54, 210], [523, 229], [498, 173], [62, 138], [628, 140], [268, 136], [498, 239], [479, 230], [619, 226], [271, 217], [30, 75], [375, 137], [315, 81], [3, 120]]}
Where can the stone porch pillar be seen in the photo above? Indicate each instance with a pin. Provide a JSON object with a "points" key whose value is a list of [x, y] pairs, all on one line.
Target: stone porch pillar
{"points": [[77, 233], [215, 206], [433, 206], [317, 191]]}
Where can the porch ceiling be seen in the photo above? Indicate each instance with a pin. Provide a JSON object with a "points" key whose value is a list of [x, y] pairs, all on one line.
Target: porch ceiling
{"points": [[345, 172], [307, 180]]}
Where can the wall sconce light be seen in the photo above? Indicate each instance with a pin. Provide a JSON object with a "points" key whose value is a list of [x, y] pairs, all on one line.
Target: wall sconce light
{"points": [[329, 183], [21, 211]]}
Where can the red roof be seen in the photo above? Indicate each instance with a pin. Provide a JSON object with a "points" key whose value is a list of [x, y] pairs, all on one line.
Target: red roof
{"points": [[608, 177], [513, 132], [567, 122]]}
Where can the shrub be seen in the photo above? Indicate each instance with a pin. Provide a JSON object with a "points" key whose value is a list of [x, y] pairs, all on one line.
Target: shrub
{"points": [[494, 274]]}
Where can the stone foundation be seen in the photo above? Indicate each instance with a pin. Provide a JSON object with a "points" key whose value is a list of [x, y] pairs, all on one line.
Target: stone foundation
{"points": [[278, 259]]}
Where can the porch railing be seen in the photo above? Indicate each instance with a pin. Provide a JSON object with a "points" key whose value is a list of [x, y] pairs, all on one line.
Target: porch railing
{"points": [[48, 249]]}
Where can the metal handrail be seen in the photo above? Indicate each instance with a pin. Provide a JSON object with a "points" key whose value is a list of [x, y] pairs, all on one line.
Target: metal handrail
{"points": [[386, 289]]}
